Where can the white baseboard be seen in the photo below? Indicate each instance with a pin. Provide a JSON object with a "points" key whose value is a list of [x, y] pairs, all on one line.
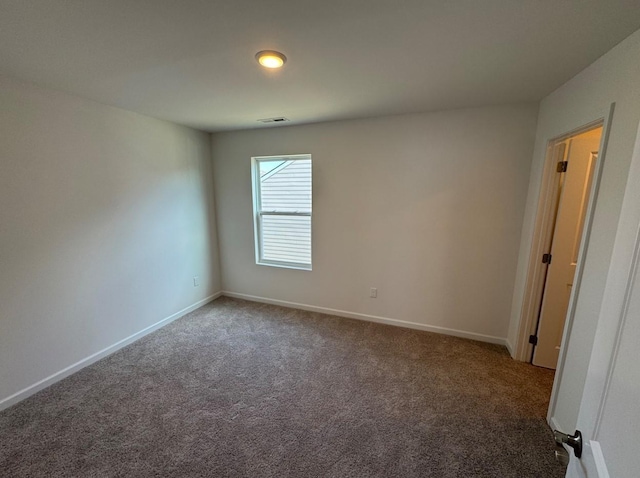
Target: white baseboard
{"points": [[509, 348], [71, 369], [371, 318]]}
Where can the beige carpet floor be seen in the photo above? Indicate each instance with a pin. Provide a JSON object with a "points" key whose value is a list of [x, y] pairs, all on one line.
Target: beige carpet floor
{"points": [[239, 389]]}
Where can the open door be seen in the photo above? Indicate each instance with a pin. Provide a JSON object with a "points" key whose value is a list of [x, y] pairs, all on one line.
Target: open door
{"points": [[609, 414], [576, 171]]}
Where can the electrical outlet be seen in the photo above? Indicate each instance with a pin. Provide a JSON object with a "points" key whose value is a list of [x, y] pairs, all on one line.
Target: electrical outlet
{"points": [[373, 293], [196, 281]]}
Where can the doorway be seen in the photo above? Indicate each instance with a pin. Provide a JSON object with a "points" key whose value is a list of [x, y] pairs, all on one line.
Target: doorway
{"points": [[575, 158]]}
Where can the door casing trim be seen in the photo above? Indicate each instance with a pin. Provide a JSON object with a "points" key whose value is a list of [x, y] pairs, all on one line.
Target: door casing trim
{"points": [[541, 240]]}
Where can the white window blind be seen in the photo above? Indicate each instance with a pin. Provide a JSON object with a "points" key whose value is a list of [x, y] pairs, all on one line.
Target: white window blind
{"points": [[282, 210]]}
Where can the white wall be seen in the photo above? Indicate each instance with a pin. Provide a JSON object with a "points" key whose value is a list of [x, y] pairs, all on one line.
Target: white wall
{"points": [[105, 217], [615, 77], [427, 208]]}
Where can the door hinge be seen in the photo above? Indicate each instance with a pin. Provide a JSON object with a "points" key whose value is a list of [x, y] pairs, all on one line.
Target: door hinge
{"points": [[533, 339], [562, 166], [546, 258]]}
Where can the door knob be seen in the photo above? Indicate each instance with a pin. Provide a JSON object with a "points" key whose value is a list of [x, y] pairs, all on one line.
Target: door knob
{"points": [[574, 441]]}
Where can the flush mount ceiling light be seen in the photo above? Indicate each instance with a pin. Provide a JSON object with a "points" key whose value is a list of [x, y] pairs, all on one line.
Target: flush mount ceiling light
{"points": [[271, 58]]}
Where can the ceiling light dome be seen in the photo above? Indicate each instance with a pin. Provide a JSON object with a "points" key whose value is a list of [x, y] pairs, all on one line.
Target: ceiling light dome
{"points": [[271, 58]]}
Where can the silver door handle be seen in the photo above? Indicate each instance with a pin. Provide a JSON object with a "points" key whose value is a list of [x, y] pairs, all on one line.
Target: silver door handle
{"points": [[574, 441]]}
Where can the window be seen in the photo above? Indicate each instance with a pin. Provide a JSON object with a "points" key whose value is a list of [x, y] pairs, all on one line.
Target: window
{"points": [[282, 210]]}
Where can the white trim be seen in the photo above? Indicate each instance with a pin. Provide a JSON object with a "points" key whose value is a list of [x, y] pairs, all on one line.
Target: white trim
{"points": [[553, 423], [582, 254], [256, 195], [541, 243], [370, 318], [286, 265], [622, 320], [543, 232], [283, 157], [71, 369], [509, 348], [598, 458]]}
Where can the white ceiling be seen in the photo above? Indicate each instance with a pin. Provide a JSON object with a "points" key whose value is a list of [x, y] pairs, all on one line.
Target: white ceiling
{"points": [[192, 61]]}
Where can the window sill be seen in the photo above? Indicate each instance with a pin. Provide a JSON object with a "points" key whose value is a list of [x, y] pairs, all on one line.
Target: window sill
{"points": [[282, 265]]}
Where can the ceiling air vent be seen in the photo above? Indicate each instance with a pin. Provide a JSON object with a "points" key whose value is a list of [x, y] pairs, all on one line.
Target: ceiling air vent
{"points": [[280, 119]]}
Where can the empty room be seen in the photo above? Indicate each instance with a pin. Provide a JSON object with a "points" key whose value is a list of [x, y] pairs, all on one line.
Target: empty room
{"points": [[319, 239]]}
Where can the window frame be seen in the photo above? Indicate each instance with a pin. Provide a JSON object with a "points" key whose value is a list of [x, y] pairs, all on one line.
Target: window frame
{"points": [[258, 213]]}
